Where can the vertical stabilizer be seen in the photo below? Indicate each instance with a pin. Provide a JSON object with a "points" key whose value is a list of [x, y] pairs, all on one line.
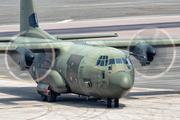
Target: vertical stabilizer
{"points": [[29, 21]]}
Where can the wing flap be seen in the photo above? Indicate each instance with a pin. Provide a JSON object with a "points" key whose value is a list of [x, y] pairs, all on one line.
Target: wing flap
{"points": [[70, 37], [36, 47], [121, 43], [5, 39]]}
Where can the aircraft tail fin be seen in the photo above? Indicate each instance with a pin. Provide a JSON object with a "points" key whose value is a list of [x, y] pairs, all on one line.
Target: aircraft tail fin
{"points": [[29, 22]]}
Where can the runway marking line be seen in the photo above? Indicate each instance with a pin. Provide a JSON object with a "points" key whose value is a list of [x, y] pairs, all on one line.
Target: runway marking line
{"points": [[16, 80], [22, 107], [2, 76], [100, 4], [30, 106], [65, 21]]}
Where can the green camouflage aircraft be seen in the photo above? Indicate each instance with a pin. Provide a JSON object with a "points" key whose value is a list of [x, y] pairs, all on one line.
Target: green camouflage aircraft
{"points": [[98, 68]]}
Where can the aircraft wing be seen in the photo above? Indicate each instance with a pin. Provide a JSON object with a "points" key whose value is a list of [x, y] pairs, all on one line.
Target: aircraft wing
{"points": [[37, 47], [70, 37], [23, 53], [121, 43], [5, 39]]}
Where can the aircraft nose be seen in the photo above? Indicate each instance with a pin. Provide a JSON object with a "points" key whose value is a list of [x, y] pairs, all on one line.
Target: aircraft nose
{"points": [[122, 80]]}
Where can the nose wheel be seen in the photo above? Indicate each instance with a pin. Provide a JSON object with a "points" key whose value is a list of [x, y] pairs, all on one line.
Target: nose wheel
{"points": [[116, 103], [109, 103]]}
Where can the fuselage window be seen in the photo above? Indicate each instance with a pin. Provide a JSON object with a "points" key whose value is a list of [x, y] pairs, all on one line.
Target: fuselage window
{"points": [[118, 61], [110, 68], [103, 74]]}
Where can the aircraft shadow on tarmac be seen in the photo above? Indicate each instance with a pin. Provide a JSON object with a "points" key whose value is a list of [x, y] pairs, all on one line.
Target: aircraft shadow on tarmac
{"points": [[18, 94]]}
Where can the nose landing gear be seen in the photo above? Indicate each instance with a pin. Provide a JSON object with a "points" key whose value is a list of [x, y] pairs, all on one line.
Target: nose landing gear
{"points": [[109, 102], [116, 103]]}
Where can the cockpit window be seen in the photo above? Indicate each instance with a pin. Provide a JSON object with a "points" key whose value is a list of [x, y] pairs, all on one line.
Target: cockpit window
{"points": [[100, 57], [111, 61], [98, 62], [118, 61], [125, 61], [129, 61], [104, 61]]}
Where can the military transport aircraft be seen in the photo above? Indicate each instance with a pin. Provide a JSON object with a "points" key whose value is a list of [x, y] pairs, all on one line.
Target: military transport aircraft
{"points": [[98, 68]]}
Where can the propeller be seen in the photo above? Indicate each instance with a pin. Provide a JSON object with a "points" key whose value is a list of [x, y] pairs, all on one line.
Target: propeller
{"points": [[161, 56], [23, 59]]}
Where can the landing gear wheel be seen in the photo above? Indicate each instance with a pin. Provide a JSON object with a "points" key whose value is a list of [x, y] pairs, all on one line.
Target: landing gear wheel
{"points": [[52, 96], [43, 98], [109, 102], [116, 103]]}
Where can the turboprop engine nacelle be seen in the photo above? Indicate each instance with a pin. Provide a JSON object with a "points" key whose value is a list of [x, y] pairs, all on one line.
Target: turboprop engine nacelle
{"points": [[145, 50], [23, 57]]}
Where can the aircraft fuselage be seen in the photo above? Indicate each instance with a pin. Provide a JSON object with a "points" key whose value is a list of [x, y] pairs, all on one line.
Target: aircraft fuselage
{"points": [[102, 72]]}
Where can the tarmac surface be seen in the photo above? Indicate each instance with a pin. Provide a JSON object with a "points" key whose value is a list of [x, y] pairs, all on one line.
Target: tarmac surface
{"points": [[20, 101], [156, 91], [58, 10]]}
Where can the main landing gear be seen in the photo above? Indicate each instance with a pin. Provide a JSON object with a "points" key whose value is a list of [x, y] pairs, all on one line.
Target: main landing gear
{"points": [[51, 96], [109, 103]]}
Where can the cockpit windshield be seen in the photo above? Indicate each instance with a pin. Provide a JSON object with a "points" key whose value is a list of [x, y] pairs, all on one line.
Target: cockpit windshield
{"points": [[104, 61], [118, 61], [111, 61]]}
